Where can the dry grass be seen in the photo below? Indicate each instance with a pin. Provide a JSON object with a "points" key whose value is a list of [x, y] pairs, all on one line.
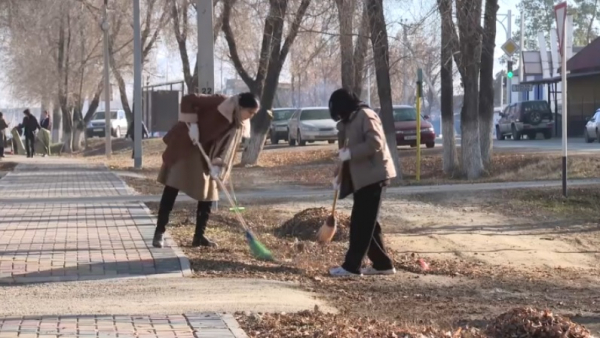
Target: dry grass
{"points": [[314, 168], [7, 166]]}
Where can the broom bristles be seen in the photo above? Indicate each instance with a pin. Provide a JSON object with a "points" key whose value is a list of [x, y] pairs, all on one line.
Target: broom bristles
{"points": [[257, 248], [327, 230]]}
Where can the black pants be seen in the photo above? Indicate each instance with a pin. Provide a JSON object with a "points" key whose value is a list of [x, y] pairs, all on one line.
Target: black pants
{"points": [[166, 206], [365, 231], [29, 143]]}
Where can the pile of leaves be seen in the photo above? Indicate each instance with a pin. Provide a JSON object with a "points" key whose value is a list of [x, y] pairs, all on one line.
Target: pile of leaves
{"points": [[305, 224], [534, 323], [316, 324]]}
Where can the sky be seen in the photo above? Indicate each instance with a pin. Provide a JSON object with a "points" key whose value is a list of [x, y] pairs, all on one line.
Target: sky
{"points": [[169, 65]]}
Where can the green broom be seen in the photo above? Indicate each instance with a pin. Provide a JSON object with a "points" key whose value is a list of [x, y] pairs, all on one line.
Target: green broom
{"points": [[256, 247]]}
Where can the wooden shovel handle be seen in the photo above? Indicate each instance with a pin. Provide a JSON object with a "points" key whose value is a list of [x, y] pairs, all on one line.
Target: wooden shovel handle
{"points": [[339, 177]]}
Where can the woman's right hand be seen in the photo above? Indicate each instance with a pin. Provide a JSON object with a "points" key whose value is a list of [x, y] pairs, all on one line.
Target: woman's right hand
{"points": [[336, 183]]}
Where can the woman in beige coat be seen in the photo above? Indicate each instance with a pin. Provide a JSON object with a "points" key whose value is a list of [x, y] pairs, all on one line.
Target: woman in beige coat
{"points": [[218, 124], [367, 168]]}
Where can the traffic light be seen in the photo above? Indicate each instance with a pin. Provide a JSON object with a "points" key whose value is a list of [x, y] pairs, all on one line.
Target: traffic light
{"points": [[509, 73]]}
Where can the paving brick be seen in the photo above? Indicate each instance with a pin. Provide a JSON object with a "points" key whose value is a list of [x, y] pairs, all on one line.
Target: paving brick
{"points": [[155, 326], [46, 242]]}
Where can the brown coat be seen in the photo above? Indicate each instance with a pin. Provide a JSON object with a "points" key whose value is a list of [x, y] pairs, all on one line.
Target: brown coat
{"points": [[183, 166], [370, 160]]}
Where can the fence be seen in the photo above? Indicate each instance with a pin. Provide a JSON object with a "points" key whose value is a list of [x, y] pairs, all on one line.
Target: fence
{"points": [[160, 106]]}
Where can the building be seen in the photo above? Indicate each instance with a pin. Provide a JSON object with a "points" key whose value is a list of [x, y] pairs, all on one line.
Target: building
{"points": [[283, 97], [583, 83]]}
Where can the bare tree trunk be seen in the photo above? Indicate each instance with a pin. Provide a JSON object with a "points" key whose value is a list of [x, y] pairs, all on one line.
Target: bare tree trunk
{"points": [[345, 17], [79, 128], [447, 90], [360, 52], [486, 82], [63, 85], [271, 63], [379, 40], [469, 27]]}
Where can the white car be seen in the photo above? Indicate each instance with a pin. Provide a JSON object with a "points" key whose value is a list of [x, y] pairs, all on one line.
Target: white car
{"points": [[310, 125], [97, 125], [592, 128], [497, 112]]}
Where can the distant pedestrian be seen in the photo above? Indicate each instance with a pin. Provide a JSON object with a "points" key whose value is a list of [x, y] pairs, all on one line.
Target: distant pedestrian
{"points": [[367, 168], [30, 125], [45, 123], [3, 126], [44, 134]]}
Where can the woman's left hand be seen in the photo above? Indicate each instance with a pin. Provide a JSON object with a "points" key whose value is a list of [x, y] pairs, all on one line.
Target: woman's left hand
{"points": [[218, 162], [344, 154]]}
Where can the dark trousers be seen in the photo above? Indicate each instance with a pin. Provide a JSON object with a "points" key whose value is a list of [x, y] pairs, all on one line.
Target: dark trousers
{"points": [[365, 231], [29, 143], [2, 143], [166, 206]]}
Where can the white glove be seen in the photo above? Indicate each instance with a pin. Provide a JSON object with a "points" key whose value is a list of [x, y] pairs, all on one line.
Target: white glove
{"points": [[215, 172], [194, 133], [336, 183], [344, 154]]}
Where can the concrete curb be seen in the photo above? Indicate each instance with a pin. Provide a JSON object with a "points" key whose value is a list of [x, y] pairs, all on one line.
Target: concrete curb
{"points": [[184, 262], [233, 326]]}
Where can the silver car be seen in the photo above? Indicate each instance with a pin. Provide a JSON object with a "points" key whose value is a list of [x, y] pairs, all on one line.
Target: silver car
{"points": [[310, 125], [592, 128]]}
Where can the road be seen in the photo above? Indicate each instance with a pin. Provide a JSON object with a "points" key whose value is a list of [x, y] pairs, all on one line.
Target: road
{"points": [[575, 146]]}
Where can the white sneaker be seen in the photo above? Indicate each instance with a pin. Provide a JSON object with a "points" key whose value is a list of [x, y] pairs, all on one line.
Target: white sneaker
{"points": [[371, 272], [341, 272]]}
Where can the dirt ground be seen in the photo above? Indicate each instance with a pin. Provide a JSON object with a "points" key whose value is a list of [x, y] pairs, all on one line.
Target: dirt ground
{"points": [[487, 253]]}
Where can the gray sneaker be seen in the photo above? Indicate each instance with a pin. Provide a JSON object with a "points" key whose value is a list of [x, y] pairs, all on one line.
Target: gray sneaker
{"points": [[372, 272]]}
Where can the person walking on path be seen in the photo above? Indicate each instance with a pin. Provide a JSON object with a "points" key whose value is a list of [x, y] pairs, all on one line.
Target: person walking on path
{"points": [[3, 127], [44, 134], [367, 168], [217, 123], [30, 125]]}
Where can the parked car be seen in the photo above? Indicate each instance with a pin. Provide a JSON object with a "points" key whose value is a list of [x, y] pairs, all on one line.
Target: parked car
{"points": [[279, 124], [525, 118], [310, 125], [591, 128], [96, 126], [496, 118], [405, 123]]}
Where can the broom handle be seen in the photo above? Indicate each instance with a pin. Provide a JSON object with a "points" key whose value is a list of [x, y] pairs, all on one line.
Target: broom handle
{"points": [[339, 177], [222, 186], [335, 198]]}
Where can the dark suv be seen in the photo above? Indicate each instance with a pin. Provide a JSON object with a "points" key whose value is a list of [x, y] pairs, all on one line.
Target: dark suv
{"points": [[525, 118]]}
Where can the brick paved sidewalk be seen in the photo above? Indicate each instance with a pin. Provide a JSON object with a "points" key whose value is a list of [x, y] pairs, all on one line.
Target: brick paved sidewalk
{"points": [[209, 325], [42, 242], [56, 179]]}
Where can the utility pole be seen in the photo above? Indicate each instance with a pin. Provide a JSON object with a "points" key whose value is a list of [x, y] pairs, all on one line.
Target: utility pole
{"points": [[206, 54], [509, 80], [137, 87], [521, 49], [107, 113]]}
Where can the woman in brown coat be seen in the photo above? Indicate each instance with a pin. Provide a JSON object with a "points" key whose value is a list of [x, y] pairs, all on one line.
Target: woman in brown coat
{"points": [[367, 168], [218, 124]]}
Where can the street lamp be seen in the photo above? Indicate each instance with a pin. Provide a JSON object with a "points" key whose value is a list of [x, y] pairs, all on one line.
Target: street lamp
{"points": [[137, 87]]}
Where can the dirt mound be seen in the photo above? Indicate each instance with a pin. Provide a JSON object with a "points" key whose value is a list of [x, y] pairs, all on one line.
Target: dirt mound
{"points": [[533, 323], [305, 224]]}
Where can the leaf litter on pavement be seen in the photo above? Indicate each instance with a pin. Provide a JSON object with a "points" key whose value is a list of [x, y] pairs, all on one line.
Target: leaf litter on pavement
{"points": [[400, 298]]}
